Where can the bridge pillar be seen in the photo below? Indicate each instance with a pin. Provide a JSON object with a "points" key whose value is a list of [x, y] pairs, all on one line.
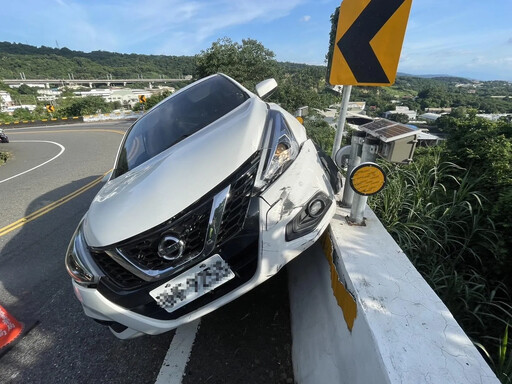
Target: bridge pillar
{"points": [[47, 85], [108, 83], [124, 83], [90, 85], [150, 85]]}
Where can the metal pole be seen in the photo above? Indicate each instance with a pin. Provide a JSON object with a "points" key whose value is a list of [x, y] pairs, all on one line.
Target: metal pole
{"points": [[356, 147], [370, 148], [341, 120]]}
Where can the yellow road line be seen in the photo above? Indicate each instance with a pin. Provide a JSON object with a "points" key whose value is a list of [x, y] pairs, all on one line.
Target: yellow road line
{"points": [[44, 210], [50, 207]]}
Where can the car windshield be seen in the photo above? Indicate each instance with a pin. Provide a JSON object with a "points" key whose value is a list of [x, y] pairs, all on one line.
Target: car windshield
{"points": [[177, 118]]}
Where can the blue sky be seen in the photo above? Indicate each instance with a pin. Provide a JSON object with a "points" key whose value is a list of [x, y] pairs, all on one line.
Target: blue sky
{"points": [[467, 38]]}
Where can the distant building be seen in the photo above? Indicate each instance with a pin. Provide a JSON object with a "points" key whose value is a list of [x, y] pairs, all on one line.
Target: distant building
{"points": [[329, 115], [31, 85], [337, 88], [402, 110], [127, 97], [438, 110], [426, 139], [302, 111], [12, 108], [469, 85], [430, 117], [48, 94], [353, 106], [356, 106], [494, 116], [5, 100]]}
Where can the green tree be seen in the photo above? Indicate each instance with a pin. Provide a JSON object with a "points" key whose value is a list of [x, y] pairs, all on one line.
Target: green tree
{"points": [[152, 101], [24, 89], [249, 62], [320, 132], [83, 106], [399, 117], [22, 114], [332, 40]]}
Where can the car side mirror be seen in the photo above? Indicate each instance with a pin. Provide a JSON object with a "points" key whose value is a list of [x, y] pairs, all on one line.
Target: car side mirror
{"points": [[266, 88]]}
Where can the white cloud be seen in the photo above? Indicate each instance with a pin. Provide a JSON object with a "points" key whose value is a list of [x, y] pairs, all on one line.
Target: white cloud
{"points": [[305, 18], [159, 26]]}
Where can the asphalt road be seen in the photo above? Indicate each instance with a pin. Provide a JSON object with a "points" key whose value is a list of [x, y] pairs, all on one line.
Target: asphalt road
{"points": [[246, 341]]}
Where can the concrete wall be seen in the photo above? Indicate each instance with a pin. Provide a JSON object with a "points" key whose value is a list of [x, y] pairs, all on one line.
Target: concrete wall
{"points": [[369, 317]]}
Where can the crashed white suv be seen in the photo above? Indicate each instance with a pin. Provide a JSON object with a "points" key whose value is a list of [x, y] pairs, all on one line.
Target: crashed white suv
{"points": [[213, 191]]}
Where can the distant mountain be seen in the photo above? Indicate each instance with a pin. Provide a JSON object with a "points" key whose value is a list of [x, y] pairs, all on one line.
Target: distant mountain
{"points": [[438, 77], [46, 62]]}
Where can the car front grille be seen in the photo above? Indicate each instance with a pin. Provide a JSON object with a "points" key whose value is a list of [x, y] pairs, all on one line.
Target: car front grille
{"points": [[237, 204], [191, 229], [190, 226], [115, 272]]}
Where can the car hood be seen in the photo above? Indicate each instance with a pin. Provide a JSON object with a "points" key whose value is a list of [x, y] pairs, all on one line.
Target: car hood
{"points": [[165, 185]]}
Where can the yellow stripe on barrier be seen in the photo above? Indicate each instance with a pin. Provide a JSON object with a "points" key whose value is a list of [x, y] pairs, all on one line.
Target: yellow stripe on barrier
{"points": [[44, 119], [343, 297], [25, 121], [75, 117], [64, 118], [16, 122]]}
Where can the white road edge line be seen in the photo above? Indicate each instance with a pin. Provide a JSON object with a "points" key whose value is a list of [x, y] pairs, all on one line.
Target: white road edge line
{"points": [[62, 149], [177, 356]]}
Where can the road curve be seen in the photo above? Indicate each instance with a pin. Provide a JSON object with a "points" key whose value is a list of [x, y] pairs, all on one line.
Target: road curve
{"points": [[62, 345]]}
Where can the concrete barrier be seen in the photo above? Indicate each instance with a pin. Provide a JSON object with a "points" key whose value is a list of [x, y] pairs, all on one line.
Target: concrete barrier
{"points": [[369, 317], [125, 115], [42, 122]]}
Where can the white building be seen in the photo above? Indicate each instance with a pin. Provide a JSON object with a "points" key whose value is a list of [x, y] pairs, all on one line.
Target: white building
{"points": [[125, 96], [430, 117], [48, 95], [356, 106], [494, 116], [5, 100], [12, 108], [402, 110]]}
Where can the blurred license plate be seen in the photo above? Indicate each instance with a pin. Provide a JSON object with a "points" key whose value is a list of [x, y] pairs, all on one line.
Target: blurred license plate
{"points": [[193, 283]]}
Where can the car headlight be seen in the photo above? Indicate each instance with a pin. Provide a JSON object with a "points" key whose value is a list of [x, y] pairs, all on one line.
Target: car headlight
{"points": [[282, 148], [75, 265]]}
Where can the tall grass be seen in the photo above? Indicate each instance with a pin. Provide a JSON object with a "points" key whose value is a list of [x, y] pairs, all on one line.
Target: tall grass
{"points": [[436, 215]]}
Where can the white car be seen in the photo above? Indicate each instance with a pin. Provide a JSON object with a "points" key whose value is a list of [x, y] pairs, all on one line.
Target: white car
{"points": [[213, 191]]}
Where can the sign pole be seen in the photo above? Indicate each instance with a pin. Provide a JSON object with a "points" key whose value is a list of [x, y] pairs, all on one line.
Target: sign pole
{"points": [[347, 89]]}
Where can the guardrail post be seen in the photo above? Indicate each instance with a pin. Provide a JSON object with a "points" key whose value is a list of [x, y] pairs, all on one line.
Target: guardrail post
{"points": [[356, 147], [347, 89], [369, 154]]}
